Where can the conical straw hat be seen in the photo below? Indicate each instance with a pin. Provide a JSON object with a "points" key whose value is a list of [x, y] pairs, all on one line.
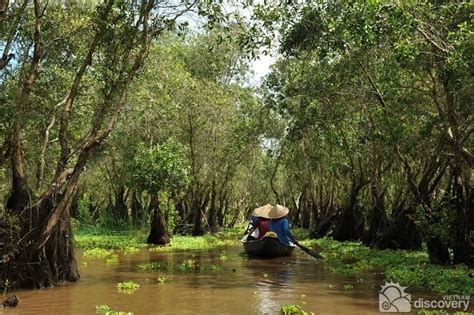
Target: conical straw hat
{"points": [[278, 211], [262, 211], [271, 212]]}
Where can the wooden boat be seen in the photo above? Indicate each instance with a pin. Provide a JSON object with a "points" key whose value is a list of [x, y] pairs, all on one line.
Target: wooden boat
{"points": [[267, 247]]}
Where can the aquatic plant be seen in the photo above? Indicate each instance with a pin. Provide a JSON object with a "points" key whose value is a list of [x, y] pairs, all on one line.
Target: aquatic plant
{"points": [[348, 287], [127, 287], [130, 250], [187, 265], [293, 309], [223, 256], [97, 253], [211, 268], [151, 266], [162, 280], [110, 241], [410, 268], [105, 309], [112, 260], [131, 240]]}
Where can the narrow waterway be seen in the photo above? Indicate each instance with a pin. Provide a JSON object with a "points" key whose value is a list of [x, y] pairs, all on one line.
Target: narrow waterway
{"points": [[223, 281]]}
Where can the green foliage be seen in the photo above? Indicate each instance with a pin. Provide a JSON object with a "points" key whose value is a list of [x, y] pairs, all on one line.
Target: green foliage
{"points": [[293, 309], [97, 252], [112, 260], [152, 266], [127, 287], [105, 309], [136, 239], [410, 268], [210, 268], [159, 167], [163, 280], [187, 266]]}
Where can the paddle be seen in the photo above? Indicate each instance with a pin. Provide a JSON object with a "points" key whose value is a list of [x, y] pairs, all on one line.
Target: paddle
{"points": [[308, 251]]}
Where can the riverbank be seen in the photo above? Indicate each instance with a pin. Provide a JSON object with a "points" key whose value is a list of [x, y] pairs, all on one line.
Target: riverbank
{"points": [[409, 268]]}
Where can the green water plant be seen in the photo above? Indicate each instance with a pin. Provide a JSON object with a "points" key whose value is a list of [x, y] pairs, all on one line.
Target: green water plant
{"points": [[348, 287], [187, 265], [162, 280], [293, 309], [105, 309], [127, 287], [211, 268], [112, 260], [409, 268], [151, 266], [130, 250], [97, 253]]}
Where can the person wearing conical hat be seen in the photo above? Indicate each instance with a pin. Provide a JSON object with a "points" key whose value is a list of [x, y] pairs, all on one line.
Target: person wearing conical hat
{"points": [[273, 219], [259, 222], [279, 223]]}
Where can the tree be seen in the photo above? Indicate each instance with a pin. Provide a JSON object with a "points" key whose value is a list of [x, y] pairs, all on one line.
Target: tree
{"points": [[159, 169], [367, 88], [106, 46]]}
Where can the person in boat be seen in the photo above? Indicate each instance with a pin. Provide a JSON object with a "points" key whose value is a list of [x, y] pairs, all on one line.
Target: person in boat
{"points": [[273, 219], [279, 224], [259, 224]]}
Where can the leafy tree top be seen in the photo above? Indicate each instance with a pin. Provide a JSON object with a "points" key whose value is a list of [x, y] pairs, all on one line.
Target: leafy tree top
{"points": [[159, 167]]}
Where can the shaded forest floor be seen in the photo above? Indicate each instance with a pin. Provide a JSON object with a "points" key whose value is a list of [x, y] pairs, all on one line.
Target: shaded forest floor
{"points": [[409, 268]]}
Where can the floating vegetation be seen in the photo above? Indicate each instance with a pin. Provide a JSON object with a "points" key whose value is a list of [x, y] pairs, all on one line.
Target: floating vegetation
{"points": [[109, 241], [162, 280], [293, 309], [97, 253], [105, 309], [348, 287], [187, 266], [211, 268], [410, 268], [223, 256], [127, 287], [152, 266], [112, 260], [131, 250]]}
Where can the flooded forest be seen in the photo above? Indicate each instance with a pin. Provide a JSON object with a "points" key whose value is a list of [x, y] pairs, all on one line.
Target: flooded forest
{"points": [[152, 151]]}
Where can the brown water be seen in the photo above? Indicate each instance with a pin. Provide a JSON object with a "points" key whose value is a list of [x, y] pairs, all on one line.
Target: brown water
{"points": [[244, 286]]}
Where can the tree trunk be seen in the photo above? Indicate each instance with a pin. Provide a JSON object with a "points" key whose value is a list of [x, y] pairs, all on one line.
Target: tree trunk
{"points": [[137, 211], [212, 216], [402, 232], [463, 248], [158, 231], [197, 228], [120, 207], [37, 264], [378, 218], [438, 251], [350, 225]]}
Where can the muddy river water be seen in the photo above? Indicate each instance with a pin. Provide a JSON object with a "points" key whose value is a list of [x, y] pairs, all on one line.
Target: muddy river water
{"points": [[238, 285]]}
